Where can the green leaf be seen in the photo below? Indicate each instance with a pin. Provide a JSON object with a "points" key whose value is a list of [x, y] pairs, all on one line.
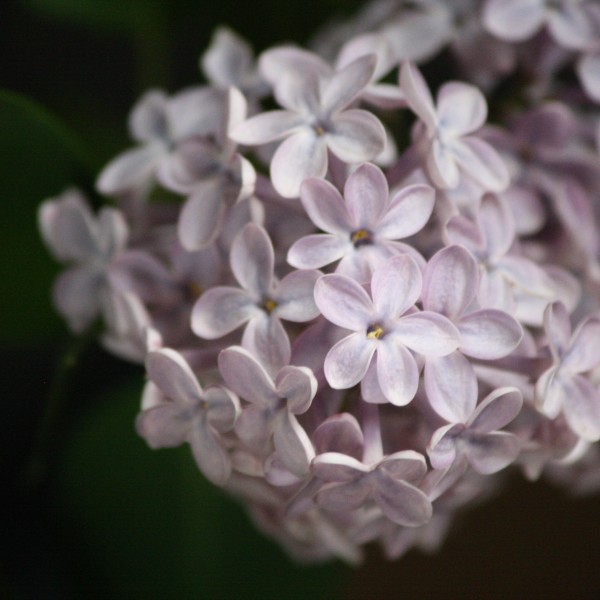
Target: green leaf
{"points": [[40, 158], [146, 524]]}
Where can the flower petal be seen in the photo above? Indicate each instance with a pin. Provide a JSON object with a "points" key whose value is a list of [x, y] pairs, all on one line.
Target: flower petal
{"points": [[497, 410], [451, 387], [220, 310], [347, 362], [461, 108], [356, 136], [397, 373], [252, 260], [209, 453], [450, 281], [293, 445], [344, 302], [418, 95], [201, 216], [489, 334], [295, 298], [366, 195], [302, 155], [514, 20], [492, 452], [173, 376], [316, 251], [408, 212], [298, 386], [482, 163], [396, 286], [267, 127], [401, 502], [582, 408], [428, 333]]}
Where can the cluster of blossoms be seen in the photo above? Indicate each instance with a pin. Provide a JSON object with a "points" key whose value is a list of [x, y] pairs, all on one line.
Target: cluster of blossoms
{"points": [[360, 308]]}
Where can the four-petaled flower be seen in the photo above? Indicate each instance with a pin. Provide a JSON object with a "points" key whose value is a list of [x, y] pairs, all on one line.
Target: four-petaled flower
{"points": [[316, 119], [188, 413], [385, 327], [563, 387], [274, 404], [261, 302], [364, 226]]}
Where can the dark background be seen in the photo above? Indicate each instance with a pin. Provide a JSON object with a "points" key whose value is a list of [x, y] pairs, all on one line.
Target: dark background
{"points": [[99, 515]]}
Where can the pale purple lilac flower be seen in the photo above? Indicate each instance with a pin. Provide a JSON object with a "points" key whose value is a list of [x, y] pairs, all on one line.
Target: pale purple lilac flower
{"points": [[159, 124], [450, 150], [564, 386], [212, 174], [502, 274], [188, 413], [478, 439], [260, 303], [390, 482], [89, 244], [386, 326], [362, 228], [274, 404], [450, 285], [316, 119]]}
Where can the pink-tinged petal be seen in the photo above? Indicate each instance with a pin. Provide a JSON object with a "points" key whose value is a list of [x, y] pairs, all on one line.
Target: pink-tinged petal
{"points": [[131, 170], [252, 260], [294, 296], [527, 275], [339, 433], [384, 96], [223, 407], [344, 302], [316, 251], [298, 91], [451, 387], [266, 338], [492, 452], [147, 121], [514, 20], [246, 377], [418, 95], [408, 212], [450, 281], [489, 334], [347, 362], [325, 207], [67, 226], [356, 136], [401, 502], [428, 333], [338, 467], [173, 376], [571, 27], [557, 325], [588, 69], [293, 445], [366, 194], [462, 108], [482, 163], [267, 127], [301, 156], [347, 83], [496, 410], [582, 408], [201, 216], [163, 426], [298, 386], [77, 295], [584, 351], [397, 372], [220, 310], [441, 165], [550, 125], [442, 447], [497, 224], [396, 286], [344, 497], [212, 459]]}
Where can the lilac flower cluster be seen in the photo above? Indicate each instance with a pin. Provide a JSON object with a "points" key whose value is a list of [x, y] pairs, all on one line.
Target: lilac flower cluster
{"points": [[356, 344]]}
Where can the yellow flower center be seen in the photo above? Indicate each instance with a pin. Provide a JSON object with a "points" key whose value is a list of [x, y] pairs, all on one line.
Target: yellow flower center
{"points": [[374, 332], [270, 305]]}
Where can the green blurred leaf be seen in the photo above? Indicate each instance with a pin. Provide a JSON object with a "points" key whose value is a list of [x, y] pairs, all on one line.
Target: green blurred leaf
{"points": [[40, 158], [148, 525]]}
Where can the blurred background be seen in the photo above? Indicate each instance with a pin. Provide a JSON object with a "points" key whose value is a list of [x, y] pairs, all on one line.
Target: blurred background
{"points": [[89, 511]]}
